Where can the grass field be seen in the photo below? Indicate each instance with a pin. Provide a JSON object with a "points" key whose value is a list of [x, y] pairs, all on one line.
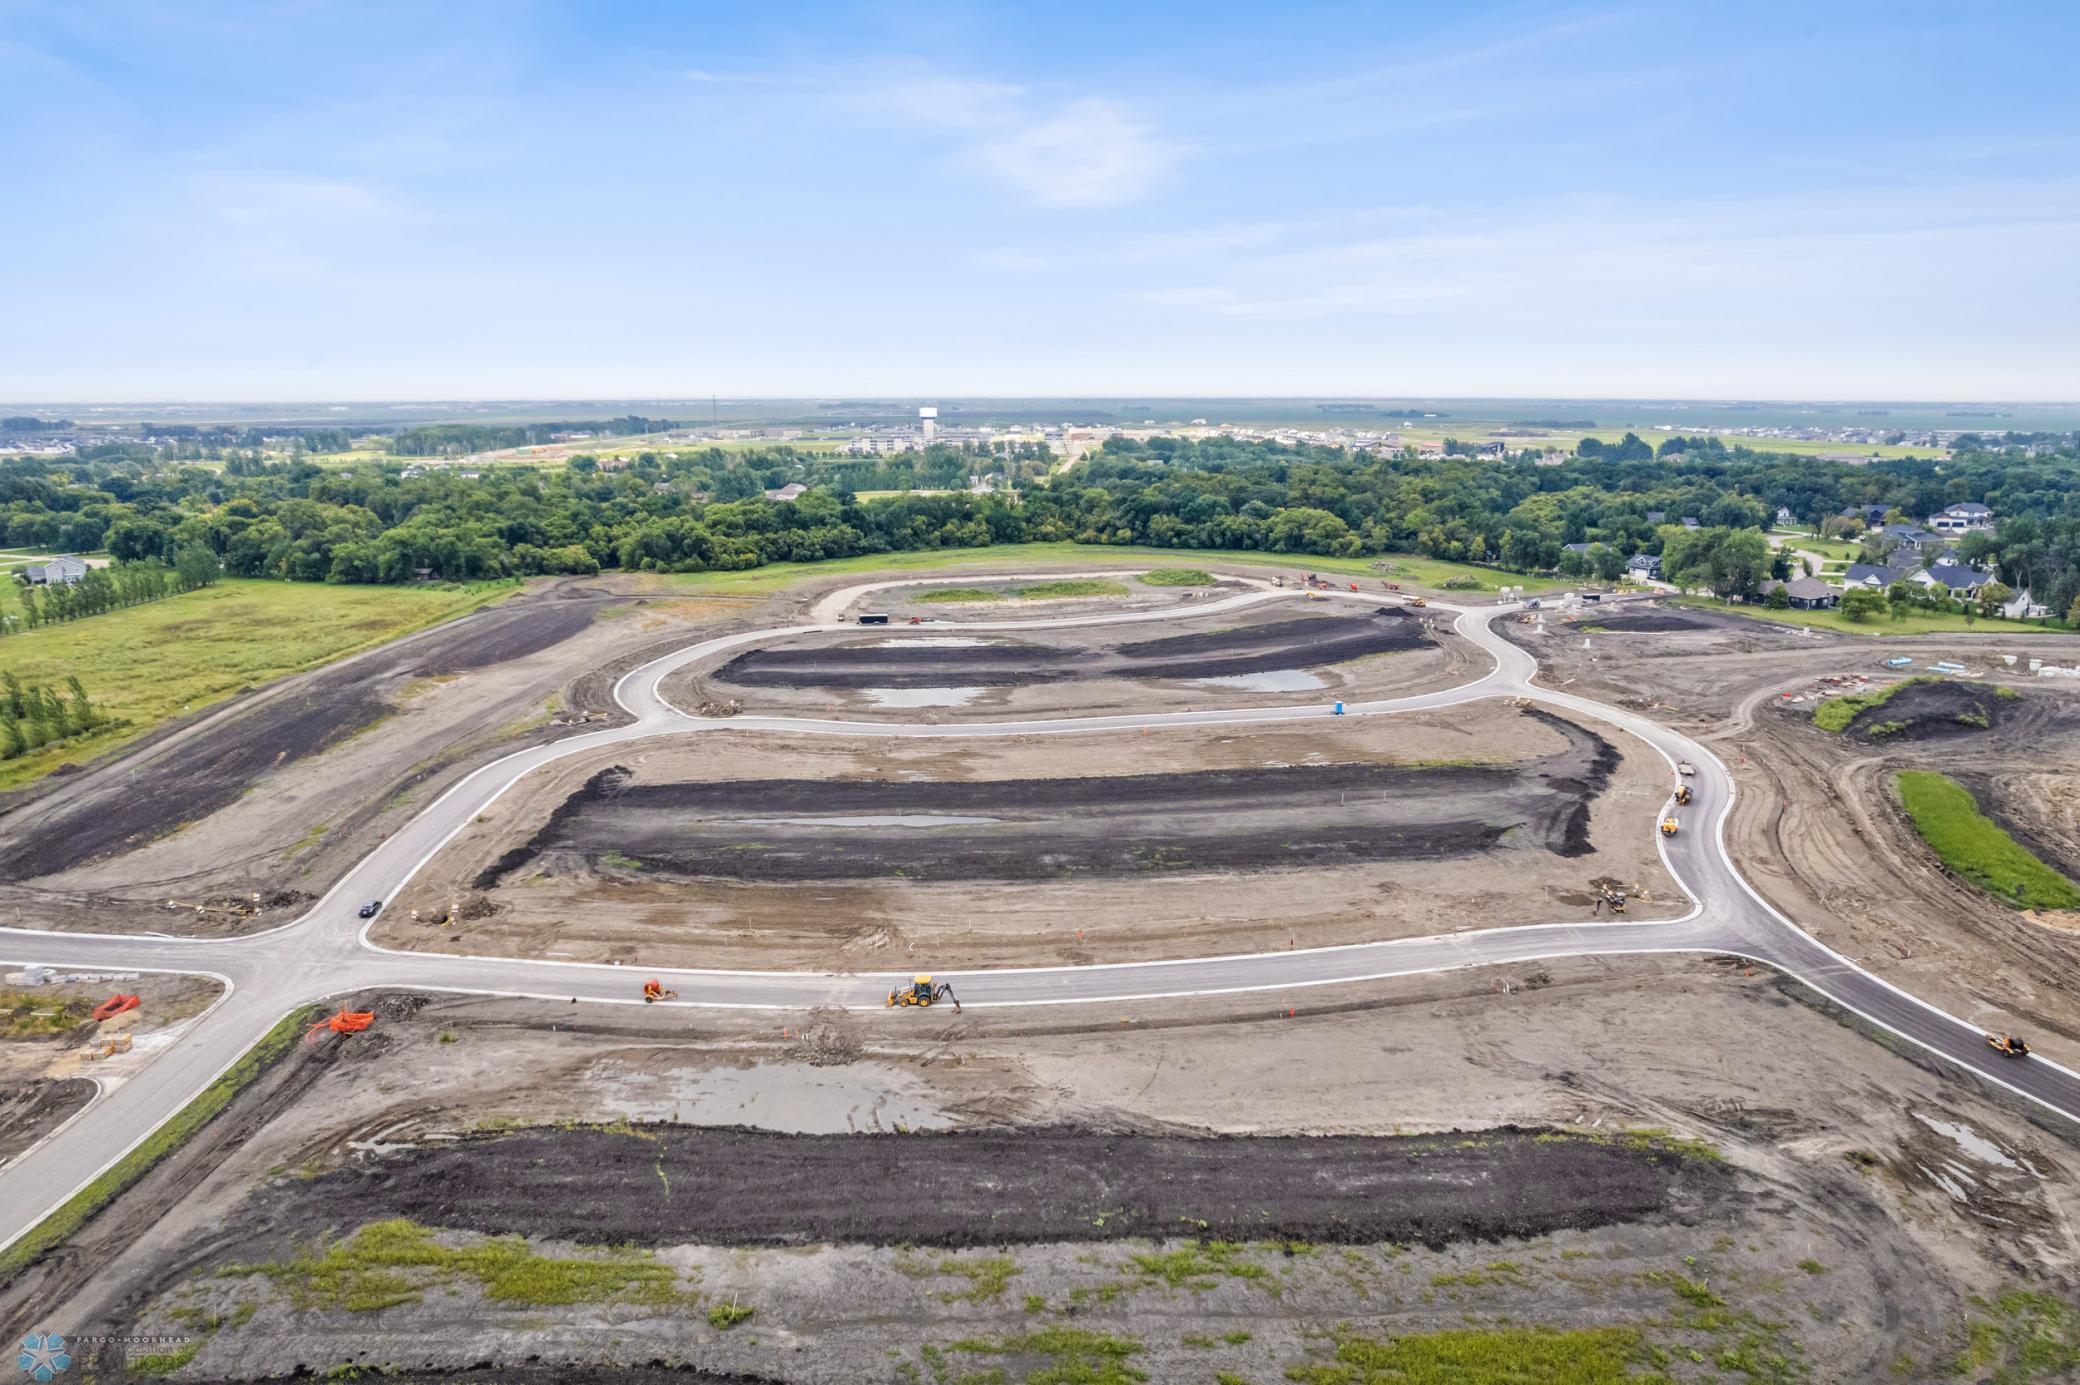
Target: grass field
{"points": [[1915, 623], [1834, 550], [1975, 846], [149, 663], [1178, 577], [1419, 572]]}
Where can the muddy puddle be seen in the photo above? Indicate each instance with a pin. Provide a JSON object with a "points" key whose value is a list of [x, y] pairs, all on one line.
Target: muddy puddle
{"points": [[792, 1098], [920, 697], [1278, 680]]}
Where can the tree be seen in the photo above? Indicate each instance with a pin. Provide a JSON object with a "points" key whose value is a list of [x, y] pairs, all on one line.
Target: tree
{"points": [[1779, 598], [1993, 596], [195, 566], [1861, 603]]}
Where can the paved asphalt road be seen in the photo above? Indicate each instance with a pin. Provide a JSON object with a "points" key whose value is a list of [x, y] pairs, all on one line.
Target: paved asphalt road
{"points": [[326, 953]]}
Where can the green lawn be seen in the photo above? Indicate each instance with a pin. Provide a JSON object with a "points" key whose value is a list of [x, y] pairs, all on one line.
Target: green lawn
{"points": [[1975, 846], [1416, 572], [152, 662], [1178, 577], [1836, 550], [1916, 623]]}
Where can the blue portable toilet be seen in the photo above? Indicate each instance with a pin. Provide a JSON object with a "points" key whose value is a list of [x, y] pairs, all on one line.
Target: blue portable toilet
{"points": [[1339, 709]]}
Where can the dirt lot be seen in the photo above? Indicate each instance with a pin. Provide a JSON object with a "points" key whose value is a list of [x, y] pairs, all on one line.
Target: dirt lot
{"points": [[1817, 827], [281, 789], [1861, 1203], [1287, 652], [755, 849], [52, 1053]]}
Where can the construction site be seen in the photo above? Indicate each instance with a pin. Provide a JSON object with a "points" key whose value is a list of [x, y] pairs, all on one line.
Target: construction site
{"points": [[1680, 1165]]}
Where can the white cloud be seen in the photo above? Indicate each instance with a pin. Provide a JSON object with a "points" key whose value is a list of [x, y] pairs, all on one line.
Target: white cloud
{"points": [[1088, 154]]}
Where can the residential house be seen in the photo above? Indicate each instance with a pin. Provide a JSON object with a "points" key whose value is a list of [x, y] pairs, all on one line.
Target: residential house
{"points": [[1877, 576], [1657, 516], [1576, 547], [63, 570], [1970, 517], [788, 493], [2025, 607], [1644, 567], [1872, 516], [1806, 593], [1785, 519], [1961, 581], [1690, 521]]}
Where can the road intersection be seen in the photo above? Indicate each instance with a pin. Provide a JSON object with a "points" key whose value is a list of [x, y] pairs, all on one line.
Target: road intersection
{"points": [[327, 952]]}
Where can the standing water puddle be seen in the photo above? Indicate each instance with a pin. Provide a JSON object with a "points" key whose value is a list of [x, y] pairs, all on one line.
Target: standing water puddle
{"points": [[1278, 680], [1971, 1142], [921, 697]]}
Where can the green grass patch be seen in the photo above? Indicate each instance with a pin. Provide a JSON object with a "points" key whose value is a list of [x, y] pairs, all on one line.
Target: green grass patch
{"points": [[387, 1263], [1411, 571], [1178, 577], [78, 1210], [24, 1015], [147, 664], [614, 860], [1071, 587], [1497, 1356], [1912, 623], [2021, 1337], [1199, 1265], [959, 594], [1975, 847], [1067, 1356], [723, 1316]]}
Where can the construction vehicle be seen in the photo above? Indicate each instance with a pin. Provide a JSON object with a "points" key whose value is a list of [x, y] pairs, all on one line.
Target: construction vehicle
{"points": [[1417, 601], [1391, 586], [921, 991], [345, 1022], [654, 991], [1669, 826], [1685, 768], [2008, 1045], [1682, 794], [115, 1005], [873, 618], [1608, 898]]}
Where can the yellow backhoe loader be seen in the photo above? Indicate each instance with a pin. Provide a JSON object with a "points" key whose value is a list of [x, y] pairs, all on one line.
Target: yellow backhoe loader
{"points": [[921, 991]]}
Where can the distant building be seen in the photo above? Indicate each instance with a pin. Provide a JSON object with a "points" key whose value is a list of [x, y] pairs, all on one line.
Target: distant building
{"points": [[1960, 581], [1969, 517], [1644, 567], [1805, 593], [927, 422], [788, 493], [1877, 576], [63, 570]]}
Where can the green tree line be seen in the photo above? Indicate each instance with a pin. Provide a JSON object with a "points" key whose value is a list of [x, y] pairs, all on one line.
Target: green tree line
{"points": [[111, 588], [32, 717]]}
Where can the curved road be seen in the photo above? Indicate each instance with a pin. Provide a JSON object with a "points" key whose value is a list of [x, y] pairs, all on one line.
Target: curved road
{"points": [[326, 952]]}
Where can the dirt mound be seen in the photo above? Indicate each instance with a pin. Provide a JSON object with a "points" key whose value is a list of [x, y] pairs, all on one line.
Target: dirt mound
{"points": [[1286, 817], [665, 1184], [1933, 711], [1291, 644], [1646, 622]]}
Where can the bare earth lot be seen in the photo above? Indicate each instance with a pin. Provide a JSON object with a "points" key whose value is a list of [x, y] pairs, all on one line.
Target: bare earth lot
{"points": [[755, 849], [277, 791], [1817, 827], [1856, 1204]]}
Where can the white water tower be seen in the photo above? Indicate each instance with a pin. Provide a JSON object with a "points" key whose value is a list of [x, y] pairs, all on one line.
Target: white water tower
{"points": [[928, 421]]}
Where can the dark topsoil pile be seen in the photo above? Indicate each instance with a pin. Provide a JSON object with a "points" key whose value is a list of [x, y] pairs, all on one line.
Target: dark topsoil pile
{"points": [[667, 1184], [1307, 642], [1292, 817], [1931, 711], [200, 772], [1646, 622]]}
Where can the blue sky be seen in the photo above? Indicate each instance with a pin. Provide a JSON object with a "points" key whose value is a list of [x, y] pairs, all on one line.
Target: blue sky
{"points": [[306, 200]]}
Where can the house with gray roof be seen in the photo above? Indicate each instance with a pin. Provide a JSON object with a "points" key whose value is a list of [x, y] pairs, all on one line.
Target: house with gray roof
{"points": [[1806, 593], [62, 570]]}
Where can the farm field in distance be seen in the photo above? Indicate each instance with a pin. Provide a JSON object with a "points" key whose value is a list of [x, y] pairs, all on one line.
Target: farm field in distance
{"points": [[146, 664]]}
